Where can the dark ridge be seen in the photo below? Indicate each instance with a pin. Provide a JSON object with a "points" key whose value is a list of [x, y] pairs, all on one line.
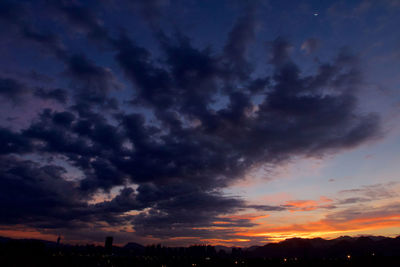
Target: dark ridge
{"points": [[342, 251]]}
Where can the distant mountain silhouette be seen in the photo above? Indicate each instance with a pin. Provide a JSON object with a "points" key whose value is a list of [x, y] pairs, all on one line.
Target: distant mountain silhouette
{"points": [[134, 246], [338, 247], [223, 248], [4, 239]]}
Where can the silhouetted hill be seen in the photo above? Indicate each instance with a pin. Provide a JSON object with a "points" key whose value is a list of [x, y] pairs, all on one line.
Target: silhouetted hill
{"points": [[132, 245], [344, 238], [134, 248], [339, 247], [4, 239], [223, 248]]}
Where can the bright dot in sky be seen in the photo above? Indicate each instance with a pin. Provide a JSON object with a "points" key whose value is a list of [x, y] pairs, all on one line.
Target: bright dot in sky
{"points": [[316, 14]]}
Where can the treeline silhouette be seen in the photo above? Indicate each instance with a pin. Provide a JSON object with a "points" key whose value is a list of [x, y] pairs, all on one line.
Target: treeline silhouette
{"points": [[343, 251]]}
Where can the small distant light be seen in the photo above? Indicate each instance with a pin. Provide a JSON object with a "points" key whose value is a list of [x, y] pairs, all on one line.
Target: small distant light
{"points": [[285, 260], [316, 14], [349, 257], [236, 262], [373, 254]]}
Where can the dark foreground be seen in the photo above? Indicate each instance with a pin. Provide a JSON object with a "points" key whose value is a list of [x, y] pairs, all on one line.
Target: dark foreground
{"points": [[293, 252]]}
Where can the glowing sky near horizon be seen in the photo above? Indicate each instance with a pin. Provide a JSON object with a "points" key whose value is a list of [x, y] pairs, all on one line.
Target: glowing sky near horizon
{"points": [[185, 122]]}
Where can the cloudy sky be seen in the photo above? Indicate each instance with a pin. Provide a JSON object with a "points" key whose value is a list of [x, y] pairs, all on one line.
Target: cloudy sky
{"points": [[179, 122]]}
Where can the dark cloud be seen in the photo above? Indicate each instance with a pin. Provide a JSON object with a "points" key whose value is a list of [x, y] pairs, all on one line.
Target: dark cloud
{"points": [[63, 118], [12, 89], [280, 50], [92, 83], [176, 207], [13, 142], [54, 137], [39, 196], [103, 174], [58, 94], [17, 91], [236, 48], [49, 41], [267, 207], [17, 15], [82, 18], [259, 85], [125, 201], [153, 82], [34, 194]]}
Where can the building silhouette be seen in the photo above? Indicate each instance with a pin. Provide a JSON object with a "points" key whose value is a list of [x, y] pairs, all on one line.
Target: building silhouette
{"points": [[108, 244]]}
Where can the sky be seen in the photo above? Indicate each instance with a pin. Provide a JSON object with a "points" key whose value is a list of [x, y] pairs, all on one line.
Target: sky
{"points": [[178, 122]]}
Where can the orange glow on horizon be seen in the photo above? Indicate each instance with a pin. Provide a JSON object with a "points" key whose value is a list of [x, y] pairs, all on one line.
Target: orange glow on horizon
{"points": [[325, 228], [27, 233]]}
